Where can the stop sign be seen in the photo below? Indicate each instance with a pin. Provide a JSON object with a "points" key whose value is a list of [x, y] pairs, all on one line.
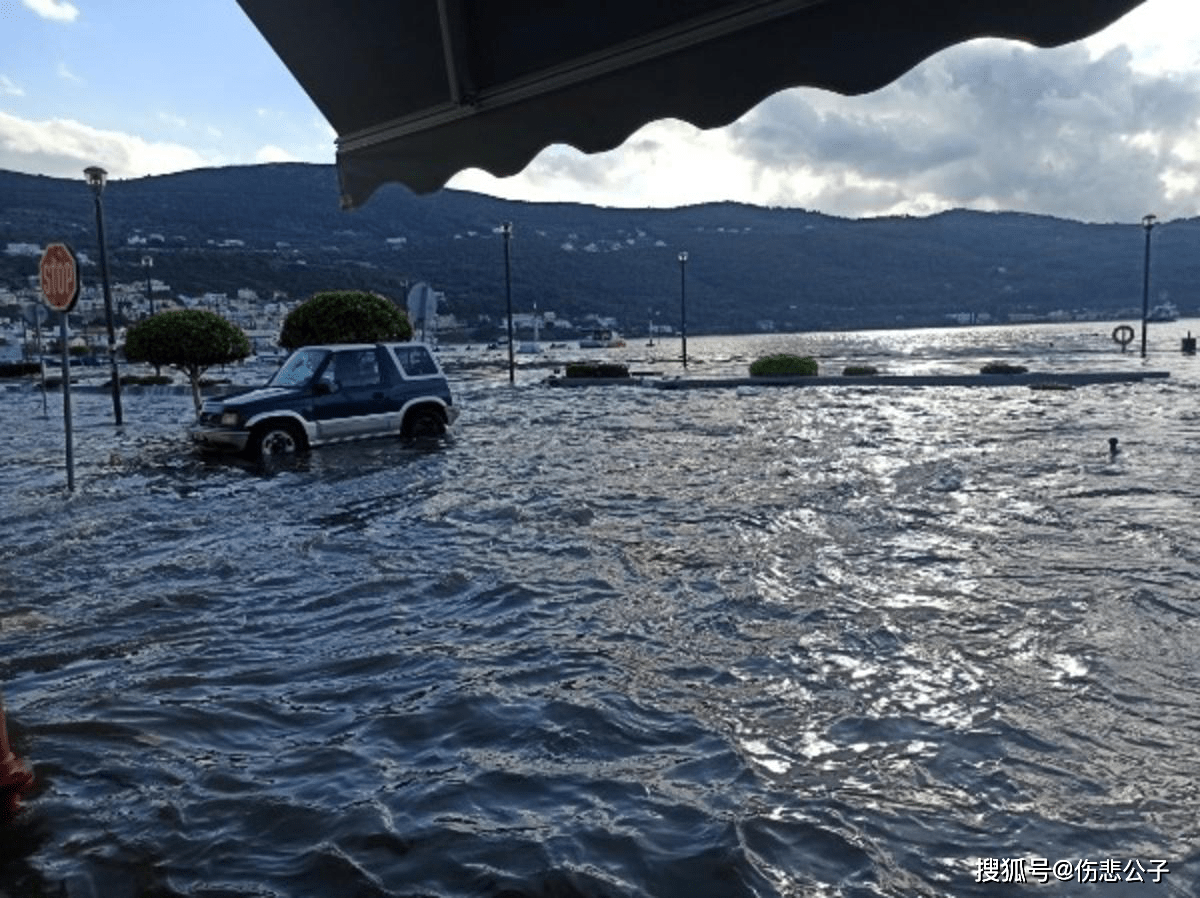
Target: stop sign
{"points": [[60, 277]]}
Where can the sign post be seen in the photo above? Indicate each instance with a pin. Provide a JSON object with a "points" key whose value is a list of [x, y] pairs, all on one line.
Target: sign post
{"points": [[59, 273]]}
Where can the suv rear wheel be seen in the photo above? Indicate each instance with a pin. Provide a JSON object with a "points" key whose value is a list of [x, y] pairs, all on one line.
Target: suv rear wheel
{"points": [[424, 422]]}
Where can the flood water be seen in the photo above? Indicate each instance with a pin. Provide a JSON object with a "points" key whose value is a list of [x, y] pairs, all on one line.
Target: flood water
{"points": [[841, 641]]}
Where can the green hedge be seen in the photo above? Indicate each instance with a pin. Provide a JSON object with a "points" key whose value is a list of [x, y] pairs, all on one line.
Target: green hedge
{"points": [[784, 365], [859, 371], [1002, 368]]}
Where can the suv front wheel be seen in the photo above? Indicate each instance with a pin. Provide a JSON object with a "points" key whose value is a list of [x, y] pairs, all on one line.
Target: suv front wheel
{"points": [[275, 438]]}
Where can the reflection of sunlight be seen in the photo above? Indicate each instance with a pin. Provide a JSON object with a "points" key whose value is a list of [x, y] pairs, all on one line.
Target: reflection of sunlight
{"points": [[907, 600], [1068, 667], [936, 693], [762, 754], [813, 746], [856, 667]]}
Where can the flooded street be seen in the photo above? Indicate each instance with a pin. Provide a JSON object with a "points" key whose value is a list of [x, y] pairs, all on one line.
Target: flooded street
{"points": [[834, 641]]}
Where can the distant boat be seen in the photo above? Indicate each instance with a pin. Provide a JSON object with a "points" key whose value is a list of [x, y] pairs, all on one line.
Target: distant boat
{"points": [[1164, 311], [605, 338], [534, 345]]}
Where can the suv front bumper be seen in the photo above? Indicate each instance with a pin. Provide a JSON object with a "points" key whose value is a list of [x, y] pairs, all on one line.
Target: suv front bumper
{"points": [[220, 438]]}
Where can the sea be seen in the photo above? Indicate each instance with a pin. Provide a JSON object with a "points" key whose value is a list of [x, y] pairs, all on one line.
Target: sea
{"points": [[840, 641]]}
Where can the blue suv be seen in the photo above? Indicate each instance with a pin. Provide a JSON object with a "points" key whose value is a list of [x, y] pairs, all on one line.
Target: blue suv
{"points": [[326, 394]]}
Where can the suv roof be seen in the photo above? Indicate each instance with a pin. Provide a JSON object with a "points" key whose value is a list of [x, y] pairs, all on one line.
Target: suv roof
{"points": [[336, 346]]}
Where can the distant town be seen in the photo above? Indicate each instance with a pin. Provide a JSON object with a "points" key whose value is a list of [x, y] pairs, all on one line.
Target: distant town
{"points": [[252, 242], [27, 324], [260, 317]]}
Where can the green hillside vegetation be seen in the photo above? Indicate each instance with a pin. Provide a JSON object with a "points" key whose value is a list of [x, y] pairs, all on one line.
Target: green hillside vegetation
{"points": [[279, 228]]}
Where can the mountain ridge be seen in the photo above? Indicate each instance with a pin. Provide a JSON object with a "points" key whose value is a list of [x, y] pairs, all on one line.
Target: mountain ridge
{"points": [[279, 227]]}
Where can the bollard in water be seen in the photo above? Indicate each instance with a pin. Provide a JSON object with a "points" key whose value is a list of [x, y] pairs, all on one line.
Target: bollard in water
{"points": [[1189, 344], [15, 777]]}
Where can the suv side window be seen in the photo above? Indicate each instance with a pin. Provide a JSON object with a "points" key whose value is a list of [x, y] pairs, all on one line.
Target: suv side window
{"points": [[415, 361], [356, 368]]}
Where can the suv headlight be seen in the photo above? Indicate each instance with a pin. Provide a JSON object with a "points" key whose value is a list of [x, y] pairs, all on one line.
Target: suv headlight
{"points": [[230, 419]]}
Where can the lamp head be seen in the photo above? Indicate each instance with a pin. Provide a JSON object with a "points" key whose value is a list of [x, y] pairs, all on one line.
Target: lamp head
{"points": [[683, 256], [96, 176], [506, 229], [147, 261], [1148, 221]]}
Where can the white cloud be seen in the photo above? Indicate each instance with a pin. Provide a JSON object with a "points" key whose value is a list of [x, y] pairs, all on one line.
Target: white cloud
{"points": [[9, 88], [1099, 130], [1160, 34], [271, 153], [63, 148], [67, 75], [988, 125], [323, 128], [665, 163], [58, 10], [175, 121]]}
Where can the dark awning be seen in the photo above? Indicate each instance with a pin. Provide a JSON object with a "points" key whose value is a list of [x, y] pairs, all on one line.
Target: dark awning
{"points": [[418, 90]]}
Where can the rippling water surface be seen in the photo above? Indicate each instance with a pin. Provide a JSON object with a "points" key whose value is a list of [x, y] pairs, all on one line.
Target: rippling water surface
{"points": [[621, 642]]}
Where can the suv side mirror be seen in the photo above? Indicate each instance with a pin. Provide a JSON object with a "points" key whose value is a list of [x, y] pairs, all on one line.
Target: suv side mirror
{"points": [[322, 388]]}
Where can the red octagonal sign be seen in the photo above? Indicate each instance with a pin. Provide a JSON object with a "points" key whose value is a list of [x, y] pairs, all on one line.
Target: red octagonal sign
{"points": [[60, 277]]}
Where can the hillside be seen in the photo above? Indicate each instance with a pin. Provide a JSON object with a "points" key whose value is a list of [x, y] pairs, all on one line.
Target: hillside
{"points": [[279, 227]]}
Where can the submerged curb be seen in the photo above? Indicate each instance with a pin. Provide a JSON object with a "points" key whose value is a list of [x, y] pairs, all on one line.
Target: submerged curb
{"points": [[131, 389], [556, 381], [1031, 379]]}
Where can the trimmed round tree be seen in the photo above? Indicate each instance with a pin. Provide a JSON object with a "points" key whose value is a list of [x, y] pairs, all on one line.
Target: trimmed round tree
{"points": [[189, 340], [344, 316]]}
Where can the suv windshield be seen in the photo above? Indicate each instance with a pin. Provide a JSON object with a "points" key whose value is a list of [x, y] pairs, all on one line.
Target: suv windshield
{"points": [[299, 368]]}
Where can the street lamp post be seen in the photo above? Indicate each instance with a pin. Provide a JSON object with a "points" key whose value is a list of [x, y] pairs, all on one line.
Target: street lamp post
{"points": [[506, 230], [1148, 224], [683, 305], [96, 177], [148, 264]]}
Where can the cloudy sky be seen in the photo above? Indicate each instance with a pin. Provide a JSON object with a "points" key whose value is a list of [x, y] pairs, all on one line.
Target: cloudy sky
{"points": [[1103, 130]]}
